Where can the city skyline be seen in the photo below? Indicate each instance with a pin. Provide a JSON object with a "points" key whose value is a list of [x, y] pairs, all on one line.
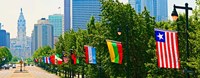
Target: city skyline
{"points": [[36, 9]]}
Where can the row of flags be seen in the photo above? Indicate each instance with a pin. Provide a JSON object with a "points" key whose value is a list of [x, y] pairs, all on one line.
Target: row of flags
{"points": [[115, 50], [53, 59], [166, 51]]}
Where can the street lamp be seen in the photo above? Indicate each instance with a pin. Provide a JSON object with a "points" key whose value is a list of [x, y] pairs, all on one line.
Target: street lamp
{"points": [[175, 16], [119, 32], [127, 53]]}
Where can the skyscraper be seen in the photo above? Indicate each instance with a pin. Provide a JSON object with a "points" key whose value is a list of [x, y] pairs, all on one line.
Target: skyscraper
{"points": [[42, 34], [57, 21], [67, 14], [33, 46], [77, 13], [157, 8], [136, 4], [162, 10], [3, 38]]}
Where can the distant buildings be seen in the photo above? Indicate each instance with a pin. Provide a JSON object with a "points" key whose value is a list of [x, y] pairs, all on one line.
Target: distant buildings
{"points": [[157, 8], [42, 34], [21, 46], [18, 50], [77, 13], [4, 38], [14, 47]]}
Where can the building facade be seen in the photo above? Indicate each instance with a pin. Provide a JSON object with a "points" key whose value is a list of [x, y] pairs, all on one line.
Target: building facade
{"points": [[162, 10], [21, 30], [157, 8], [14, 47], [57, 20], [8, 40], [42, 34], [77, 13]]}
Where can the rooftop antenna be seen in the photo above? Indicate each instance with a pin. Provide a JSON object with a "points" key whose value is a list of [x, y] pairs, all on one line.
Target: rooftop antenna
{"points": [[1, 26]]}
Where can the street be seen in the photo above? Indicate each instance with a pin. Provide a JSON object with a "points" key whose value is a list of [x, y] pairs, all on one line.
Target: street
{"points": [[31, 72]]}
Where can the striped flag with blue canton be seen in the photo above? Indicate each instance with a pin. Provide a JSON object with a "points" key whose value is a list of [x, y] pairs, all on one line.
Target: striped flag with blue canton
{"points": [[167, 48]]}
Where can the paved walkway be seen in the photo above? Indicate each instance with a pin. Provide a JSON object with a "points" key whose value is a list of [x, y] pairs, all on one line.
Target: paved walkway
{"points": [[32, 72]]}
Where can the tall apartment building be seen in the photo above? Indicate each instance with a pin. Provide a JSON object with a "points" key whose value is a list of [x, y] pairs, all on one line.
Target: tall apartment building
{"points": [[77, 13], [42, 34]]}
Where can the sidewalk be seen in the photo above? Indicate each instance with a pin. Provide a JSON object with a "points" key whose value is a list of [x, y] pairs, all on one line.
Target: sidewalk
{"points": [[32, 72]]}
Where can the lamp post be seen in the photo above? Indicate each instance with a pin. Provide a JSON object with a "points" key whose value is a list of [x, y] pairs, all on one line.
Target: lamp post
{"points": [[127, 53], [175, 17]]}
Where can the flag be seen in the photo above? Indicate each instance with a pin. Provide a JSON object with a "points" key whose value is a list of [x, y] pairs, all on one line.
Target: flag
{"points": [[74, 59], [44, 59], [48, 60], [36, 60], [167, 49], [65, 59], [58, 59], [86, 54], [115, 50], [52, 59], [90, 54]]}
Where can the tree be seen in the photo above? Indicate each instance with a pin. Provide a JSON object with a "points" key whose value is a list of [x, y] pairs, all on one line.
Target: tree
{"points": [[5, 55]]}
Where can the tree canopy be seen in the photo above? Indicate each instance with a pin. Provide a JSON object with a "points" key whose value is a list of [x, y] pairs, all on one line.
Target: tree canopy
{"points": [[138, 30]]}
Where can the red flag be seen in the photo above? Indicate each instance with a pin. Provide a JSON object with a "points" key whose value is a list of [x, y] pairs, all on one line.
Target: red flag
{"points": [[86, 54], [59, 62], [167, 49], [73, 58], [120, 52], [52, 59]]}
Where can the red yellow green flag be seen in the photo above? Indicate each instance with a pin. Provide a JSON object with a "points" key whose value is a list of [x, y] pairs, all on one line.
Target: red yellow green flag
{"points": [[115, 50]]}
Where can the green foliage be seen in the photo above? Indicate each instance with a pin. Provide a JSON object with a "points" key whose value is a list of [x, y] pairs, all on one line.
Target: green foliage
{"points": [[5, 55], [15, 59], [29, 61], [42, 51], [140, 47]]}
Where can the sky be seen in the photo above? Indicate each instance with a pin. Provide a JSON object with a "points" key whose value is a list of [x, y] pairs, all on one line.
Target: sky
{"points": [[34, 10]]}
